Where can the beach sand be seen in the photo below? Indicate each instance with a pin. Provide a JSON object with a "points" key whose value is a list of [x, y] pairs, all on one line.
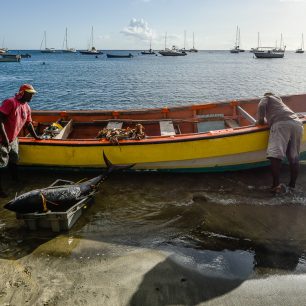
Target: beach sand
{"points": [[134, 250], [104, 274]]}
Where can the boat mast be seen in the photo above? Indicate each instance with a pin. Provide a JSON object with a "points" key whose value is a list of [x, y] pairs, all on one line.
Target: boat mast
{"points": [[66, 43], [44, 40], [281, 41], [193, 40], [302, 46], [236, 37], [166, 41], [184, 39], [258, 40], [91, 37]]}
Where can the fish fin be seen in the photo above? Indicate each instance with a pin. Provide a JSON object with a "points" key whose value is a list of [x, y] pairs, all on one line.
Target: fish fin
{"points": [[111, 167], [82, 180], [107, 161], [44, 203]]}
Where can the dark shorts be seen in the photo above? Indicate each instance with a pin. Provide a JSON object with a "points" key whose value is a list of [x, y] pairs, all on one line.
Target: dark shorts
{"points": [[285, 140], [9, 154]]}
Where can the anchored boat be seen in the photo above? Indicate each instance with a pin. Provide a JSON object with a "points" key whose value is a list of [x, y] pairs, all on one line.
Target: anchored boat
{"points": [[91, 50], [202, 137], [46, 49], [301, 49], [109, 55], [10, 58], [269, 52], [237, 48]]}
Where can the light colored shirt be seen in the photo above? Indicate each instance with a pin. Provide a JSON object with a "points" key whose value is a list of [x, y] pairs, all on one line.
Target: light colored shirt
{"points": [[17, 114], [274, 110]]}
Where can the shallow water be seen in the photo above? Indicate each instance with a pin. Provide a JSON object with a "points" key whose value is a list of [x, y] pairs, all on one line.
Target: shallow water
{"points": [[225, 225]]}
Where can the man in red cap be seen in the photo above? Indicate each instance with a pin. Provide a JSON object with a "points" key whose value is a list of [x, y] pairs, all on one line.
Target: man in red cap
{"points": [[15, 113]]}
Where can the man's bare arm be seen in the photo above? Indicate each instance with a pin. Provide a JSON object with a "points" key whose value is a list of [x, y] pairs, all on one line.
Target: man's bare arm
{"points": [[32, 131]]}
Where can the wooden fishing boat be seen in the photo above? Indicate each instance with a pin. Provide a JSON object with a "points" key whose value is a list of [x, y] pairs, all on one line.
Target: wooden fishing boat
{"points": [[209, 137]]}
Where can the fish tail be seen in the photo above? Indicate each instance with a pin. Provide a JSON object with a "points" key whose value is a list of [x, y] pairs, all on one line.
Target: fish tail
{"points": [[111, 167]]}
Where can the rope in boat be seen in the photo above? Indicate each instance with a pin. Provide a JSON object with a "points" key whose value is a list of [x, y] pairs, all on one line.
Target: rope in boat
{"points": [[114, 135]]}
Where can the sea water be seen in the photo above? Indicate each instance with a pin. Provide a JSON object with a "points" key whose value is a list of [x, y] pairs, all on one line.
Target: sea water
{"points": [[220, 225], [76, 81]]}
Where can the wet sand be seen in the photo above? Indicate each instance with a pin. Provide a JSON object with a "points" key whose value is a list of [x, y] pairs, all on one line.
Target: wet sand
{"points": [[162, 239]]}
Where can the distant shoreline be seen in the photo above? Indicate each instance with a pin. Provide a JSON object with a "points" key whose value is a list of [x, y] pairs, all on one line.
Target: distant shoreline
{"points": [[137, 50]]}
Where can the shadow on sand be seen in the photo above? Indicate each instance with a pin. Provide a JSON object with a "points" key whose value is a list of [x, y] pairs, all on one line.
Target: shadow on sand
{"points": [[214, 215]]}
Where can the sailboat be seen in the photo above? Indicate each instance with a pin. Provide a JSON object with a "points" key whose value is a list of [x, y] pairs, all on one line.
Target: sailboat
{"points": [[258, 44], [46, 50], [270, 52], [236, 48], [66, 49], [3, 50], [150, 51], [193, 49], [184, 49], [301, 50], [174, 51], [282, 47], [91, 50]]}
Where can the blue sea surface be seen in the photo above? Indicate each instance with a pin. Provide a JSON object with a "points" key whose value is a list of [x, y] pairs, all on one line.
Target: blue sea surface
{"points": [[76, 81]]}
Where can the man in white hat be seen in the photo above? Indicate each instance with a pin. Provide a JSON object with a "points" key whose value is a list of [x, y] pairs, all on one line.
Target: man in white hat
{"points": [[15, 113]]}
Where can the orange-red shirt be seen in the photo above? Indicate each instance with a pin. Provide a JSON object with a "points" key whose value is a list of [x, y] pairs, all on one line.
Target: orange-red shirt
{"points": [[17, 113]]}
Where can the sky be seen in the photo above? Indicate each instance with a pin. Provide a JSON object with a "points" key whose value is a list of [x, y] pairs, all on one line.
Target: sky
{"points": [[130, 24]]}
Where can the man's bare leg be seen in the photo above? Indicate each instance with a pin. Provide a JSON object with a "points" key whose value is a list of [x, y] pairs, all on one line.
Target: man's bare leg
{"points": [[13, 170], [275, 169], [294, 166], [3, 194]]}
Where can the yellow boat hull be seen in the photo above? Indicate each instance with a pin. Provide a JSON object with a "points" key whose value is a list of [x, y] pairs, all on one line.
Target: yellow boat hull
{"points": [[193, 140], [211, 154]]}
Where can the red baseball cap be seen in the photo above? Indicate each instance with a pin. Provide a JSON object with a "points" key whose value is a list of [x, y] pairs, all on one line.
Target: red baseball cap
{"points": [[27, 88]]}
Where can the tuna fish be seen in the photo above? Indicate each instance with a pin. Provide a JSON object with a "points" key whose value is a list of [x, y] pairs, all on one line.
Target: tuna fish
{"points": [[40, 200]]}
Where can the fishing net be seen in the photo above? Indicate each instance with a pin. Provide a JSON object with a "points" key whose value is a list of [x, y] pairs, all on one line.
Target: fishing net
{"points": [[114, 135]]}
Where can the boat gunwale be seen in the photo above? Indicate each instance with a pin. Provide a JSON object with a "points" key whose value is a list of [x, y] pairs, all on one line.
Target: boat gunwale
{"points": [[230, 132], [144, 110], [222, 133]]}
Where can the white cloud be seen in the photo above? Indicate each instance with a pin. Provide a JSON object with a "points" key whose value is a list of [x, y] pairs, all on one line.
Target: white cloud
{"points": [[138, 28]]}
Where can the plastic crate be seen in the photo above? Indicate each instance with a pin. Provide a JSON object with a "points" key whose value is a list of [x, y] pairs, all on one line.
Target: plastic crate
{"points": [[59, 220]]}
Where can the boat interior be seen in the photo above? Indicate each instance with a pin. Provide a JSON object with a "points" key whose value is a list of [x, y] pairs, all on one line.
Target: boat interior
{"points": [[208, 118]]}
